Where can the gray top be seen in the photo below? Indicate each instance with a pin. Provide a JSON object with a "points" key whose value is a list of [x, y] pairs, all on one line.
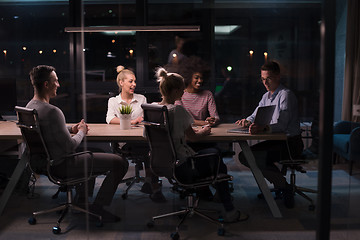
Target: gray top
{"points": [[54, 130], [180, 120]]}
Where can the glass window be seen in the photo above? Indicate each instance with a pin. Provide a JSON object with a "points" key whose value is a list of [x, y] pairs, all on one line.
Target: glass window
{"points": [[108, 13], [27, 39], [235, 39], [242, 44]]}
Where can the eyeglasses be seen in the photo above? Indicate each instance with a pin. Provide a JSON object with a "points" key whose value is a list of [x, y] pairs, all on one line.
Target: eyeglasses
{"points": [[268, 79]]}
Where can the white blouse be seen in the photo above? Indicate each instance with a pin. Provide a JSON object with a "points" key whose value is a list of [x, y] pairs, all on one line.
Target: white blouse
{"points": [[115, 103]]}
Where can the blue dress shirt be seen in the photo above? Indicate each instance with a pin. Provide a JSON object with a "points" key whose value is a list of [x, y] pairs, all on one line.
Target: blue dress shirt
{"points": [[285, 118]]}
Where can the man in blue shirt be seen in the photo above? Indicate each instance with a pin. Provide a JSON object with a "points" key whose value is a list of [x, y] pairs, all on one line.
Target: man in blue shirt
{"points": [[285, 119]]}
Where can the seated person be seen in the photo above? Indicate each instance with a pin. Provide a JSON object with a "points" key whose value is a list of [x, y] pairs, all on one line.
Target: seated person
{"points": [[126, 81], [285, 119], [200, 103], [172, 88], [60, 143]]}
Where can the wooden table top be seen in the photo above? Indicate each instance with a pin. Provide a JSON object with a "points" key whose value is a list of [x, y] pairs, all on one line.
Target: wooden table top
{"points": [[111, 132], [9, 131]]}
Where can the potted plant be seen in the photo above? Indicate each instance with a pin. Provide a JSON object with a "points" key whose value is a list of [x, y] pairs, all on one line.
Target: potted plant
{"points": [[125, 117]]}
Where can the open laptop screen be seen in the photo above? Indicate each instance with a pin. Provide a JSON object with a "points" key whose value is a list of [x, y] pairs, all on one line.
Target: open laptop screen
{"points": [[263, 117]]}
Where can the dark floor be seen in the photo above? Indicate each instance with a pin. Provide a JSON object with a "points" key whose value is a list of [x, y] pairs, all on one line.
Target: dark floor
{"points": [[137, 210]]}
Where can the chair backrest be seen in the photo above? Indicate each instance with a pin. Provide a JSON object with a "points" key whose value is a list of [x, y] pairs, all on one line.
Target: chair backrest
{"points": [[162, 151], [40, 160], [28, 122]]}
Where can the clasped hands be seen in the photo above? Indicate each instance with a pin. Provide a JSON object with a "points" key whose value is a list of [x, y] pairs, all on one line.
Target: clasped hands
{"points": [[210, 121], [80, 126]]}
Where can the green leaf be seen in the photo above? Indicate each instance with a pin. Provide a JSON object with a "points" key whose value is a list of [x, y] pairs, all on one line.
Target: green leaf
{"points": [[125, 109]]}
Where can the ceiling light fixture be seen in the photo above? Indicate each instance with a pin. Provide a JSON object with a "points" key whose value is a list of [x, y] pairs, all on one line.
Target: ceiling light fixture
{"points": [[134, 28]]}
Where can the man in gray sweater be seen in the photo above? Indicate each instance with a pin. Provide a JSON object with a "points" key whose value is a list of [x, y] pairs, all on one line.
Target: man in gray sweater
{"points": [[60, 143]]}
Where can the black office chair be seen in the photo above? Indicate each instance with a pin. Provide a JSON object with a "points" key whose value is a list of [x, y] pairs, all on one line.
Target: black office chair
{"points": [[163, 161], [40, 162]]}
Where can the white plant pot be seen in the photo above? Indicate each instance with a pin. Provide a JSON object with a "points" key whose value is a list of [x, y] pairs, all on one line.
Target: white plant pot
{"points": [[125, 121]]}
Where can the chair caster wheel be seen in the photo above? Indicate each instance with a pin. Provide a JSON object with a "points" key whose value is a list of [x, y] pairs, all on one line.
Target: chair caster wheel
{"points": [[32, 221], [56, 230], [221, 232], [99, 224], [124, 196], [311, 207], [150, 224], [175, 236]]}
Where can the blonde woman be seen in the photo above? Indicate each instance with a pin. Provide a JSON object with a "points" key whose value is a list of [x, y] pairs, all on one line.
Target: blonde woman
{"points": [[126, 81], [172, 87]]}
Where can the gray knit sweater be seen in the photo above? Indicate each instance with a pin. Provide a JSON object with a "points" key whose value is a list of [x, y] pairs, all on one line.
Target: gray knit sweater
{"points": [[54, 130]]}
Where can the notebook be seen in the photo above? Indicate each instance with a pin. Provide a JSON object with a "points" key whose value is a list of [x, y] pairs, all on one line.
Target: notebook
{"points": [[263, 117]]}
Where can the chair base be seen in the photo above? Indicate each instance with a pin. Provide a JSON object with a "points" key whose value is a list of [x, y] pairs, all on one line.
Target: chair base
{"points": [[64, 209], [296, 166], [138, 166], [296, 189], [190, 210], [130, 182], [301, 191]]}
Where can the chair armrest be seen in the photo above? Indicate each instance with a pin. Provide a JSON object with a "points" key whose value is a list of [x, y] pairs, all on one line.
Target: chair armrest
{"points": [[216, 174], [197, 157], [53, 161], [71, 181], [204, 155], [80, 153], [147, 123]]}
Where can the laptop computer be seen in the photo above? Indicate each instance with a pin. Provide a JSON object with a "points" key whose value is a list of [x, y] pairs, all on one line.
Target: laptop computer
{"points": [[263, 117]]}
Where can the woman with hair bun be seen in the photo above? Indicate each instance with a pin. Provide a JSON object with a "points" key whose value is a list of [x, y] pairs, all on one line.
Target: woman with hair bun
{"points": [[171, 86], [126, 81]]}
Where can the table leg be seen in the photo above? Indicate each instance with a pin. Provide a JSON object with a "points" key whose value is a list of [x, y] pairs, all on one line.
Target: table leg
{"points": [[12, 183], [260, 179]]}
